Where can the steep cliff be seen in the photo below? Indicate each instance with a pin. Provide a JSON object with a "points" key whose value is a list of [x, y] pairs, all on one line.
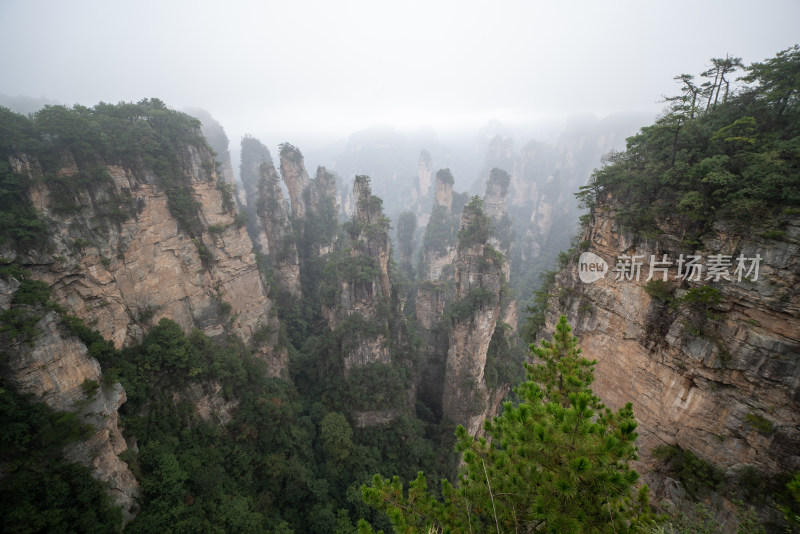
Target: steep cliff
{"points": [[273, 214], [218, 141], [253, 155], [439, 244], [293, 172], [543, 175], [120, 277], [686, 292], [422, 188], [374, 350], [135, 225], [320, 228], [358, 278], [473, 316], [494, 201], [51, 364], [710, 364]]}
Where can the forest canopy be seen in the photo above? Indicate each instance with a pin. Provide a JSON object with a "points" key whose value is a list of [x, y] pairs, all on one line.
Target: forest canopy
{"points": [[721, 151]]}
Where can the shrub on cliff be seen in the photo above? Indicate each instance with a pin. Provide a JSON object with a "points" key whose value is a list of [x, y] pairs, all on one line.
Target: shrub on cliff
{"points": [[733, 155]]}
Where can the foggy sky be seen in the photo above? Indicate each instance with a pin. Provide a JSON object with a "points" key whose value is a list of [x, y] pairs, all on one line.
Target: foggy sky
{"points": [[334, 67]]}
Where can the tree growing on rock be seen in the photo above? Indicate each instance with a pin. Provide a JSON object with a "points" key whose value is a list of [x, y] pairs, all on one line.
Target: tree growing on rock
{"points": [[558, 462]]}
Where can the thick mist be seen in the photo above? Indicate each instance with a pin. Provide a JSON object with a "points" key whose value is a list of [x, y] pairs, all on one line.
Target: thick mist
{"points": [[315, 72]]}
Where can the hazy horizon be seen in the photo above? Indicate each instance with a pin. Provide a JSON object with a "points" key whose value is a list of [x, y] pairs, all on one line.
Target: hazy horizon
{"points": [[325, 70]]}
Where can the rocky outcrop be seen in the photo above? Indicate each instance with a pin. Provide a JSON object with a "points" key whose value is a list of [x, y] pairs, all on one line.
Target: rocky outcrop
{"points": [[443, 197], [372, 237], [101, 451], [55, 368], [273, 214], [293, 172], [209, 402], [324, 186], [494, 198], [123, 277], [494, 202], [375, 418], [365, 314], [322, 210], [253, 155], [439, 246], [126, 248], [361, 282], [435, 289], [406, 242], [474, 314], [711, 365], [218, 141], [424, 175]]}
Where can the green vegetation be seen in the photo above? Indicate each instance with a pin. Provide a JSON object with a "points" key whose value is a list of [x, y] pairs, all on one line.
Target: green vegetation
{"points": [[289, 458], [446, 176], [791, 510], [661, 290], [557, 462], [702, 301], [226, 192], [406, 227], [465, 308], [703, 297], [440, 230], [377, 386], [696, 475], [760, 423], [28, 305], [478, 225], [505, 358], [718, 152], [145, 137], [342, 266], [537, 309], [39, 490], [702, 521], [290, 152]]}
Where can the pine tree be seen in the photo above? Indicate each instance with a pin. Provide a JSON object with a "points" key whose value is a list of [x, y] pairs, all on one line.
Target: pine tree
{"points": [[558, 462]]}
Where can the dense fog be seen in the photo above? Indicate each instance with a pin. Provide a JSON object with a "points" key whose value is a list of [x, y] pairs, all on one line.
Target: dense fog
{"points": [[314, 72]]}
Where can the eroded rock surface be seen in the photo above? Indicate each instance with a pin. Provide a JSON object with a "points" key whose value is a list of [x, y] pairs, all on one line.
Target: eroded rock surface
{"points": [[720, 379]]}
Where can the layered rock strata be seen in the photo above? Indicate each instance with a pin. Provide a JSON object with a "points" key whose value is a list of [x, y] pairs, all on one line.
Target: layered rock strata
{"points": [[710, 361], [128, 249]]}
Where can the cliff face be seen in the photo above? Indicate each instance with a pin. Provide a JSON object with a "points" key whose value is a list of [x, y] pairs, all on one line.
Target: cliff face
{"points": [[458, 302], [494, 198], [323, 212], [494, 201], [439, 249], [121, 277], [372, 238], [478, 280], [53, 367], [217, 140], [360, 279], [313, 204], [293, 172], [253, 156], [424, 174], [274, 217], [128, 244], [715, 371]]}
